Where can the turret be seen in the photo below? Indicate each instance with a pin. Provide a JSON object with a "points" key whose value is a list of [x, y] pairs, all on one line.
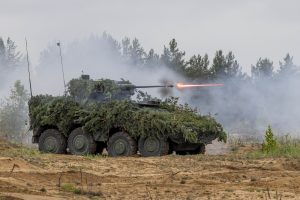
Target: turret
{"points": [[84, 89]]}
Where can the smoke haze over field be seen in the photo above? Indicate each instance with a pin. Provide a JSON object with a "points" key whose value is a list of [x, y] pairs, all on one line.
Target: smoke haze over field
{"points": [[243, 107], [251, 29], [248, 108], [93, 56]]}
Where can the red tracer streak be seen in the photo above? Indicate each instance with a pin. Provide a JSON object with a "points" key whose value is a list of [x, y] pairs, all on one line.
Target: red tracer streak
{"points": [[181, 85]]}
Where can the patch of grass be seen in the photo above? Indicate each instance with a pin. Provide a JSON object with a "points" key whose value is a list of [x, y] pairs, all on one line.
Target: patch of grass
{"points": [[236, 142], [20, 152], [282, 151], [68, 187], [286, 147], [95, 156]]}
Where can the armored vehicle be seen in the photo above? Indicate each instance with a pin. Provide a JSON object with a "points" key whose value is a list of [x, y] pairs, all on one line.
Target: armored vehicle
{"points": [[98, 114]]}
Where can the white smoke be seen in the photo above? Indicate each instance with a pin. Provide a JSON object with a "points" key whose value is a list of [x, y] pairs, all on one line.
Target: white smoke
{"points": [[95, 57], [246, 107]]}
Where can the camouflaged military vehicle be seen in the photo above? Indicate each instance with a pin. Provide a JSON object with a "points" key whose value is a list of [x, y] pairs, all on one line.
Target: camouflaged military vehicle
{"points": [[98, 114]]}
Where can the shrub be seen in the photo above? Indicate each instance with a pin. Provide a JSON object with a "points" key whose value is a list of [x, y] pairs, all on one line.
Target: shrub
{"points": [[270, 143]]}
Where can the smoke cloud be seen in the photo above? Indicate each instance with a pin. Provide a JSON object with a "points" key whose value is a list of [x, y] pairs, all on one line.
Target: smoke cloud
{"points": [[96, 57], [246, 107]]}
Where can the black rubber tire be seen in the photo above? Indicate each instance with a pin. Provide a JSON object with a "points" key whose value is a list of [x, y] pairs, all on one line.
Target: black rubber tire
{"points": [[52, 141], [81, 143], [153, 146], [121, 144]]}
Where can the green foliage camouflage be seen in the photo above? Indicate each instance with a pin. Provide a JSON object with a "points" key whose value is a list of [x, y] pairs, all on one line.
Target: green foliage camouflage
{"points": [[167, 119], [56, 111], [80, 89]]}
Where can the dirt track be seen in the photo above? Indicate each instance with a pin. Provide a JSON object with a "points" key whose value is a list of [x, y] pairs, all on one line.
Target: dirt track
{"points": [[45, 176]]}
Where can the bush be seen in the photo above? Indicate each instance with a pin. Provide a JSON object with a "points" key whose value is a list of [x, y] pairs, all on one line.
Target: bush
{"points": [[270, 143], [13, 114]]}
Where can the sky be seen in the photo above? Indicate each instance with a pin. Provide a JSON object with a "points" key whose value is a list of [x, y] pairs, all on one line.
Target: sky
{"points": [[249, 28]]}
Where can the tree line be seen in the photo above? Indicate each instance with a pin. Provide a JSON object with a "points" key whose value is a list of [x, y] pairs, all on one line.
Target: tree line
{"points": [[197, 68], [10, 57]]}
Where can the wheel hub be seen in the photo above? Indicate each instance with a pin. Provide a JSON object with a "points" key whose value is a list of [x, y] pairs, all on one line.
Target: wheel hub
{"points": [[119, 147], [50, 144], [79, 142], [151, 144]]}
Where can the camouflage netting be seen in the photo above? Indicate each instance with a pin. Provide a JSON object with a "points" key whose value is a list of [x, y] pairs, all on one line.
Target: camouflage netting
{"points": [[56, 111], [165, 120], [81, 88]]}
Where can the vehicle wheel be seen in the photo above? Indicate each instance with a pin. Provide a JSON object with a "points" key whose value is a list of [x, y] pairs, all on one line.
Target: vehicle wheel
{"points": [[81, 143], [121, 144], [52, 141], [153, 146]]}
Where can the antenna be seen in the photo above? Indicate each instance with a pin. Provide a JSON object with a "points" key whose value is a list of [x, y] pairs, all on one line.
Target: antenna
{"points": [[29, 77], [62, 66]]}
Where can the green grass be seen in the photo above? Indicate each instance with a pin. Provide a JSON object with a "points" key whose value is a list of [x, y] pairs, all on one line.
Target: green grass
{"points": [[236, 142], [95, 156], [20, 151], [68, 187], [286, 147]]}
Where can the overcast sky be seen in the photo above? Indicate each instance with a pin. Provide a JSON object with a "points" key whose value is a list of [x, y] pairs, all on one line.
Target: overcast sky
{"points": [[249, 28]]}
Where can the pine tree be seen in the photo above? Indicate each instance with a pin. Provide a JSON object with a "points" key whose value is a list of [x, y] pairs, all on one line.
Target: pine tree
{"points": [[270, 142], [197, 68], [173, 57], [2, 53], [13, 113], [125, 47], [225, 67], [111, 45], [262, 69], [9, 56], [166, 58], [136, 53], [287, 67], [232, 68], [218, 65], [152, 59]]}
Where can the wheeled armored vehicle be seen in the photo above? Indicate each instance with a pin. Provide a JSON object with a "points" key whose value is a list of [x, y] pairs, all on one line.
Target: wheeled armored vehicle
{"points": [[99, 114]]}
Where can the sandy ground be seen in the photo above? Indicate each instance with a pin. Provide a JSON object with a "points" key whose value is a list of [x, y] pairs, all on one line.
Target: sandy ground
{"points": [[31, 175]]}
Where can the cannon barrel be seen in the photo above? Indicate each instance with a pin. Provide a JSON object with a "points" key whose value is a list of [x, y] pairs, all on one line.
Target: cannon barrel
{"points": [[144, 86], [154, 86]]}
